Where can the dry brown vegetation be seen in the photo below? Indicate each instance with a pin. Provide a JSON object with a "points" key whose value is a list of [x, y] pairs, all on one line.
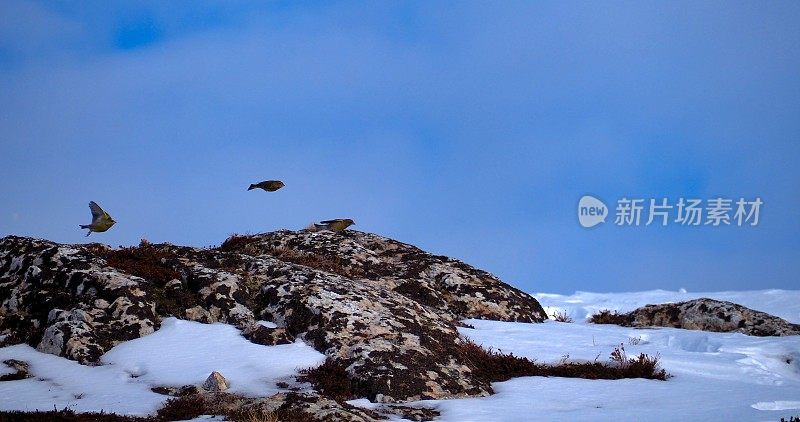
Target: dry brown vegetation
{"points": [[333, 265], [151, 263], [68, 415], [192, 406], [493, 366], [561, 316], [145, 261], [608, 317], [236, 243], [331, 380]]}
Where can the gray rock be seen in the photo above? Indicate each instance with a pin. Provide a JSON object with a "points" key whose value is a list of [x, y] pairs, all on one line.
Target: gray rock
{"points": [[216, 382], [384, 310], [712, 315], [56, 298]]}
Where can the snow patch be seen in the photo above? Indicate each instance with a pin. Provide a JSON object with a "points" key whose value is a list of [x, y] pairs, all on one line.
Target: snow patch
{"points": [[776, 405]]}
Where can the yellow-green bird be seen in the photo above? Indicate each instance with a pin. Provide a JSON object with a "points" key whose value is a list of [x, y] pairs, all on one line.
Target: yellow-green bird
{"points": [[337, 225], [267, 185], [101, 221]]}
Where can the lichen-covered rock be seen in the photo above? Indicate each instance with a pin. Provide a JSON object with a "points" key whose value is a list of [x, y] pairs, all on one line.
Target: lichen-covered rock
{"points": [[20, 369], [260, 334], [712, 315], [319, 408], [64, 300], [443, 283], [295, 406], [384, 310]]}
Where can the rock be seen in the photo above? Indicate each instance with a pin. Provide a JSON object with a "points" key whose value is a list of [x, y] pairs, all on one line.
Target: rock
{"points": [[292, 406], [321, 408], [57, 299], [260, 334], [436, 281], [383, 311], [173, 284], [712, 315], [216, 382], [199, 314], [20, 370]]}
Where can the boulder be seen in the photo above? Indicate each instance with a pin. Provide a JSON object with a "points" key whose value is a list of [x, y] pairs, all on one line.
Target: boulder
{"points": [[384, 310], [216, 382], [712, 315]]}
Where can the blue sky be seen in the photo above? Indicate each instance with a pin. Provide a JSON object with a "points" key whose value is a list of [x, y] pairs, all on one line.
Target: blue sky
{"points": [[469, 129]]}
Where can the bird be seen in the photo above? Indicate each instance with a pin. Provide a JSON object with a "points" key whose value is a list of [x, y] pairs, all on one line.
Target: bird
{"points": [[101, 221], [336, 225], [267, 185]]}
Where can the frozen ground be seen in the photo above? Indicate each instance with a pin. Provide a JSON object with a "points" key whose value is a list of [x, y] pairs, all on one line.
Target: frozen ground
{"points": [[180, 353], [781, 303], [717, 376]]}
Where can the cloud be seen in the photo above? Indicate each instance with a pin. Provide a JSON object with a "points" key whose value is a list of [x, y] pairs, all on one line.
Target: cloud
{"points": [[471, 131]]}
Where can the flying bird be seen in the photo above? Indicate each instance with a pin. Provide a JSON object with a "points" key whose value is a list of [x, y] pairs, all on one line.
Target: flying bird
{"points": [[337, 225], [267, 185], [101, 221]]}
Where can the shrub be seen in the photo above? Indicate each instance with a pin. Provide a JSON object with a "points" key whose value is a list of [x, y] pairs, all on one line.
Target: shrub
{"points": [[561, 316], [145, 261], [152, 264], [333, 265], [67, 415], [491, 366], [236, 242], [332, 380], [186, 407], [608, 317]]}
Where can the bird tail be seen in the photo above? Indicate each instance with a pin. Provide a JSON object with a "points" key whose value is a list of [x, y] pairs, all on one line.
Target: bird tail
{"points": [[314, 227], [251, 187], [84, 226]]}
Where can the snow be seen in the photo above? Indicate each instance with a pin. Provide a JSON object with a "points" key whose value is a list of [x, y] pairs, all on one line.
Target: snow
{"points": [[716, 376], [180, 353], [189, 351], [268, 324], [579, 306]]}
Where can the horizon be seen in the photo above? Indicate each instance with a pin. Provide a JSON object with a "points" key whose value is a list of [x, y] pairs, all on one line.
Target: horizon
{"points": [[469, 131]]}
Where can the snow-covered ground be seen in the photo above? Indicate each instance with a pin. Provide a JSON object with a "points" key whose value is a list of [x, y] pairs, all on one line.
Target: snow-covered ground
{"points": [[716, 376], [180, 353], [781, 303]]}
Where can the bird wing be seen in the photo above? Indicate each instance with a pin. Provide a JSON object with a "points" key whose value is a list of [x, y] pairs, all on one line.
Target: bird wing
{"points": [[329, 221], [97, 212]]}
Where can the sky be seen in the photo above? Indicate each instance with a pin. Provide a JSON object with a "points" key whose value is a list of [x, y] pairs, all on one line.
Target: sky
{"points": [[469, 129]]}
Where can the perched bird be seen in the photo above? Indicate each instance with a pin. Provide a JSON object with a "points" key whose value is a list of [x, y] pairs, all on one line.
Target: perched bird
{"points": [[101, 221], [336, 225], [267, 185]]}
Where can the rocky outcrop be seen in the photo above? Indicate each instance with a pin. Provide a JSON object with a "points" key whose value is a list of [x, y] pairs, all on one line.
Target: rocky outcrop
{"points": [[385, 311], [711, 315], [66, 301], [439, 282]]}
